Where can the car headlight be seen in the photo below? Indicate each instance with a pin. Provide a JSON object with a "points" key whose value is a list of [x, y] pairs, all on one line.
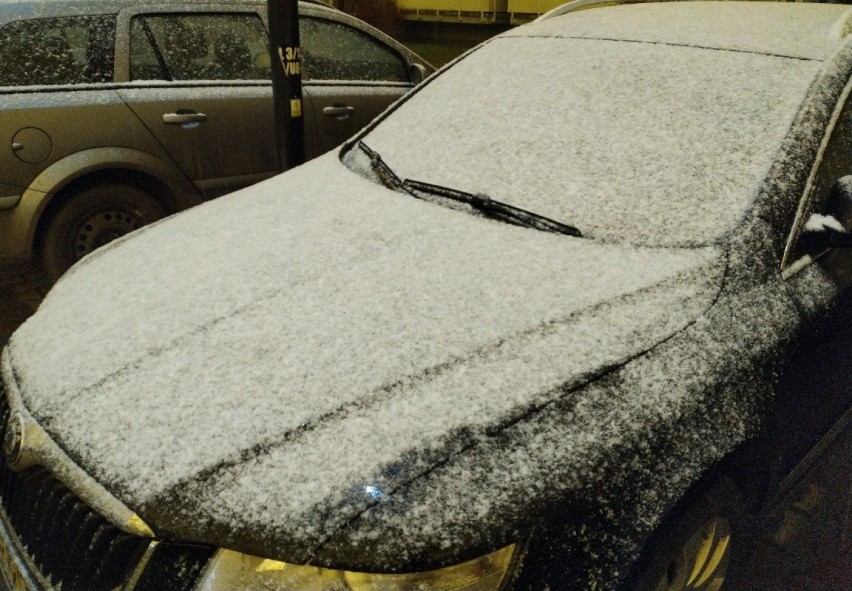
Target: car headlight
{"points": [[233, 571]]}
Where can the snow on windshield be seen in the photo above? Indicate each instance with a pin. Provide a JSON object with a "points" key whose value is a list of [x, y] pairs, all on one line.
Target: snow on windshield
{"points": [[642, 143]]}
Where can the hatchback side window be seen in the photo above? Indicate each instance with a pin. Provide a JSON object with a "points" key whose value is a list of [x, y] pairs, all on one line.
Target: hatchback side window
{"points": [[198, 47], [69, 50], [334, 51]]}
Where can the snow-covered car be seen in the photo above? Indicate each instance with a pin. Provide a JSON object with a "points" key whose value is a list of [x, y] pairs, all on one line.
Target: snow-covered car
{"points": [[116, 113], [562, 319]]}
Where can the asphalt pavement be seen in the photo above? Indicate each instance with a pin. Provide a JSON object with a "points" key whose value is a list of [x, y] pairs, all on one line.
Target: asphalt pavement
{"points": [[803, 542]]}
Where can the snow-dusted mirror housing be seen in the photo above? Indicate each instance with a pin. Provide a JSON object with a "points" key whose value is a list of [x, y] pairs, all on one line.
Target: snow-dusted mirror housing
{"points": [[836, 223]]}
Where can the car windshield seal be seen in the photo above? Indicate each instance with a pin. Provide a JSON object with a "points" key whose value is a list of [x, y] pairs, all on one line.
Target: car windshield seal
{"points": [[479, 202]]}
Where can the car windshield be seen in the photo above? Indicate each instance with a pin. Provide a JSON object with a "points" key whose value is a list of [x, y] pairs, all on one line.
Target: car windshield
{"points": [[639, 143]]}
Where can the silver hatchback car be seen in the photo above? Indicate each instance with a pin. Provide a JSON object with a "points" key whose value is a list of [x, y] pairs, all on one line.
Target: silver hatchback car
{"points": [[114, 114]]}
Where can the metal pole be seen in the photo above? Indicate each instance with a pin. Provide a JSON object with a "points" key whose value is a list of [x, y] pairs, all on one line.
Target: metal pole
{"points": [[285, 51]]}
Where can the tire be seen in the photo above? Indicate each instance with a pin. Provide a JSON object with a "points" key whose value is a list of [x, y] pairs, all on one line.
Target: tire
{"points": [[93, 217], [694, 549]]}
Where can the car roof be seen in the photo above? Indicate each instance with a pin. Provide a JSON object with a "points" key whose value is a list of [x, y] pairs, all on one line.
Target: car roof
{"points": [[16, 9], [798, 30]]}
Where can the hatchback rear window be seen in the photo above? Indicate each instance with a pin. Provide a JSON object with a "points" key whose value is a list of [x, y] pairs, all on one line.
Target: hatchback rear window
{"points": [[50, 51], [198, 47], [334, 51]]}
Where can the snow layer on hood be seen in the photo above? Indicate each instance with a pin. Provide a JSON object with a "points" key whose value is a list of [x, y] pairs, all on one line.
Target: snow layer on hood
{"points": [[646, 144], [365, 451], [790, 29], [247, 319], [620, 452]]}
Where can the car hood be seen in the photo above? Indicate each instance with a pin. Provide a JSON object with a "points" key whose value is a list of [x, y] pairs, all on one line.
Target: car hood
{"points": [[260, 370]]}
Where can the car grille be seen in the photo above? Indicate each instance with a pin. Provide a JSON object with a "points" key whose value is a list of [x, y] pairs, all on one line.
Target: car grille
{"points": [[64, 539]]}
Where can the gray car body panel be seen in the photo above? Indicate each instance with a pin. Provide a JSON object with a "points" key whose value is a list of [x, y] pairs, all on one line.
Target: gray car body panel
{"points": [[78, 149]]}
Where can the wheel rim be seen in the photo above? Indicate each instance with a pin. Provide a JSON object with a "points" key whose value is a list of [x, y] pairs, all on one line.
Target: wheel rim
{"points": [[103, 227], [702, 562]]}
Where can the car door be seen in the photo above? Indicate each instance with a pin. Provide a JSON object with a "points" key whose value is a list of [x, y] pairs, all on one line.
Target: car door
{"points": [[199, 83], [349, 76]]}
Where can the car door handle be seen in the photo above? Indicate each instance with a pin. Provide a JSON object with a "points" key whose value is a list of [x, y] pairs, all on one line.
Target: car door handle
{"points": [[338, 111], [182, 118]]}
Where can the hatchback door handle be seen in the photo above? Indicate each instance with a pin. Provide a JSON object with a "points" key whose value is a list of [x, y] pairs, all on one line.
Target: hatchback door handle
{"points": [[338, 111], [182, 118]]}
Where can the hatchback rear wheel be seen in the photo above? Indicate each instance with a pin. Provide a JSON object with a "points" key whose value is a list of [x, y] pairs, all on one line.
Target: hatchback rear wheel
{"points": [[93, 217]]}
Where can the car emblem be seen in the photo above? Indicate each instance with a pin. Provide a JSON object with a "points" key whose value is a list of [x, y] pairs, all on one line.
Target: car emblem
{"points": [[13, 441]]}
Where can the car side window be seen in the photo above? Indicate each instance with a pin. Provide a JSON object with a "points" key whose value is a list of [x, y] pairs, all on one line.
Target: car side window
{"points": [[335, 51], [198, 47], [835, 163], [49, 51]]}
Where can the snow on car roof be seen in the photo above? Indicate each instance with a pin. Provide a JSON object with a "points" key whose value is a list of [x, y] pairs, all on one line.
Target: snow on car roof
{"points": [[805, 31]]}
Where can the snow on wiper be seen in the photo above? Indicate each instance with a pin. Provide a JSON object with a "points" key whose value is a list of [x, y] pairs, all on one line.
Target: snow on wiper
{"points": [[481, 203], [385, 173], [492, 208]]}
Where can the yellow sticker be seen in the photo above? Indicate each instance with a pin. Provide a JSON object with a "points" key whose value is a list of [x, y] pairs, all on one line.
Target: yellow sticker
{"points": [[295, 107]]}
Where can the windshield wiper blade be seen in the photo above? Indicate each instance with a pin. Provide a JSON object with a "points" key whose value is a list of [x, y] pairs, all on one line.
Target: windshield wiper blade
{"points": [[385, 173], [481, 203], [496, 209]]}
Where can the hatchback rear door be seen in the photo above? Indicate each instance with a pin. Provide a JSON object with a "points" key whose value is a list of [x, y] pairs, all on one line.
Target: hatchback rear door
{"points": [[199, 83]]}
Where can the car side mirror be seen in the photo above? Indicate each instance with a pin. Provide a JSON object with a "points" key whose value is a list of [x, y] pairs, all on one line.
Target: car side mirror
{"points": [[417, 72], [832, 229]]}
